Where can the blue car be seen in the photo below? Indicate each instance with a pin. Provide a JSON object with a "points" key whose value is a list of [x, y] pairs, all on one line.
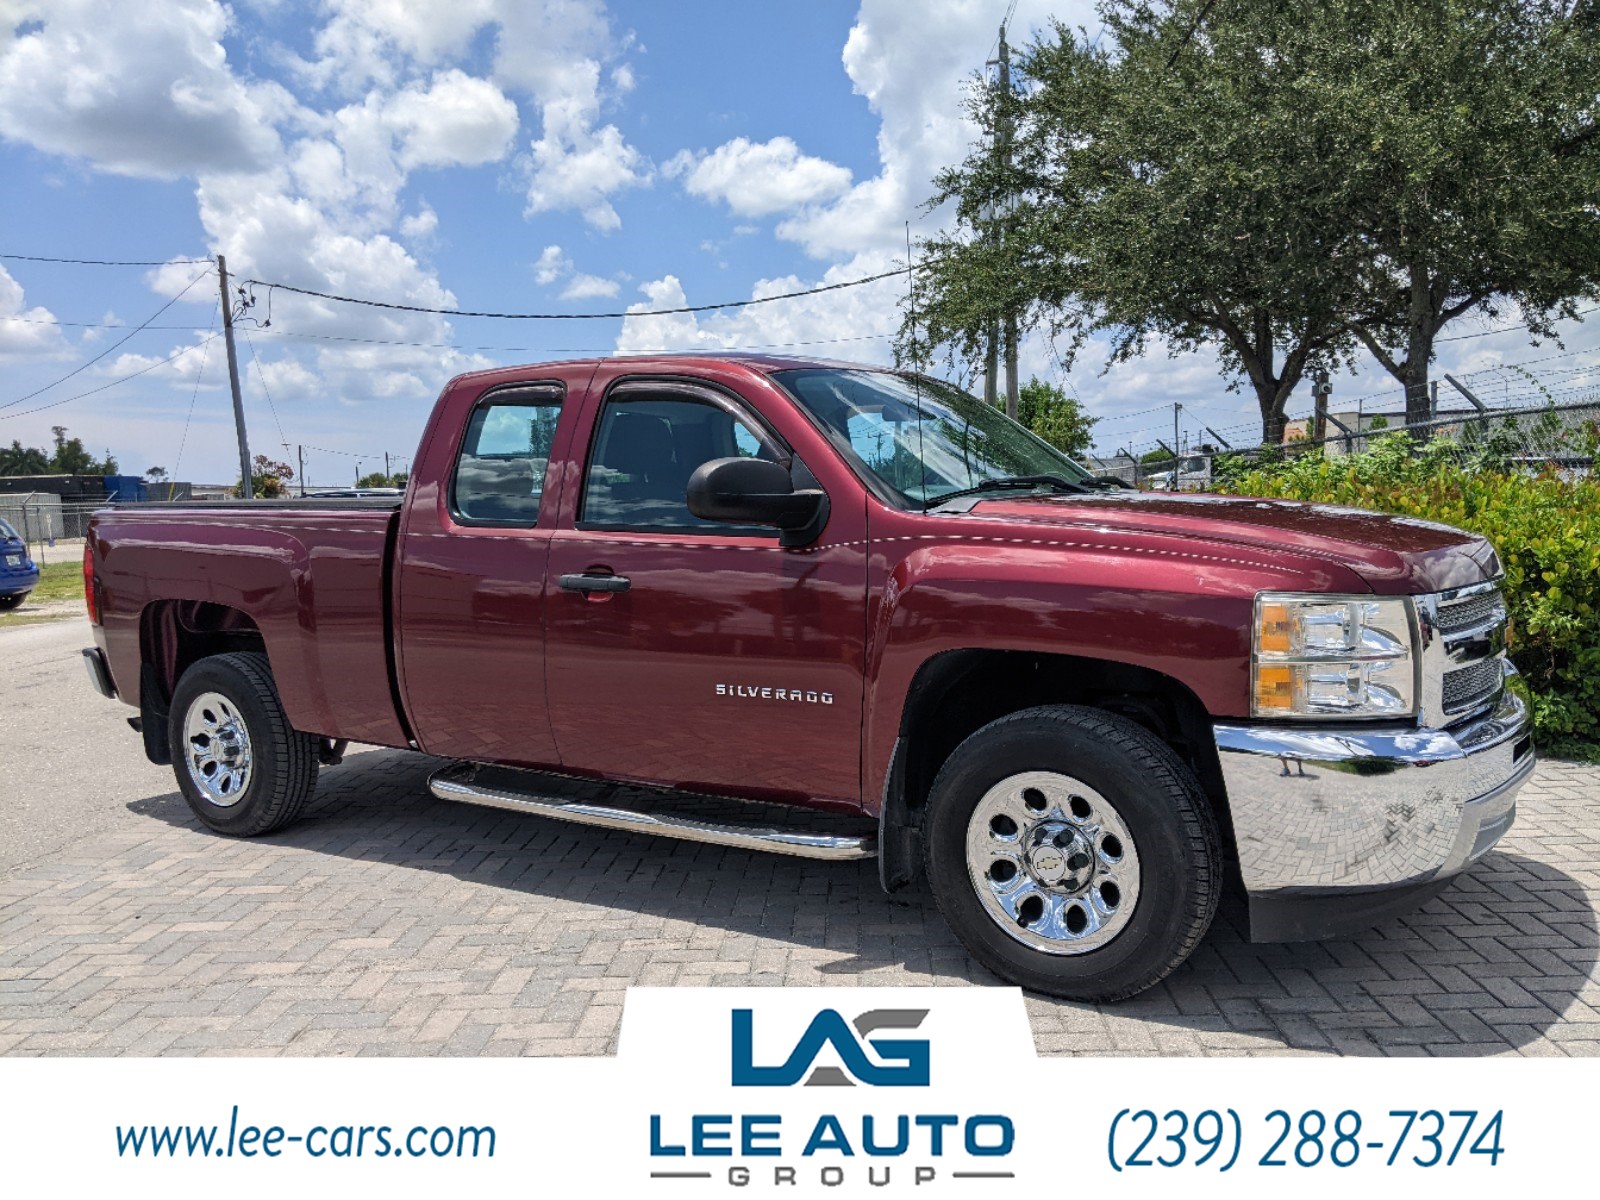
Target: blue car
{"points": [[19, 574]]}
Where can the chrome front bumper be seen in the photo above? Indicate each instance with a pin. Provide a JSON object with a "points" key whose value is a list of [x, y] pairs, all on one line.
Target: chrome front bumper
{"points": [[1329, 822]]}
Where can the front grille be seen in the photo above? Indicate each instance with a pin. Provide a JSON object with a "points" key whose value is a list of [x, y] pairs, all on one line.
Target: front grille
{"points": [[1463, 655], [1471, 686], [1471, 611]]}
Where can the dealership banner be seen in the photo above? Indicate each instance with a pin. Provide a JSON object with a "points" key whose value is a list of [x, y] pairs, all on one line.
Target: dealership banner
{"points": [[787, 1092]]}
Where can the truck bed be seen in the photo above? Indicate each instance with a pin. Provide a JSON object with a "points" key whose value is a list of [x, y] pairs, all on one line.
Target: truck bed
{"points": [[310, 576]]}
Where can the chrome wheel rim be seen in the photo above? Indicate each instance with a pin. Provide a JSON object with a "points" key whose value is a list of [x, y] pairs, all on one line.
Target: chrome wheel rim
{"points": [[1052, 862], [217, 749]]}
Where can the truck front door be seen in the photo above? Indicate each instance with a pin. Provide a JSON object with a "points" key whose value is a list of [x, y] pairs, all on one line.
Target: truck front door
{"points": [[686, 653]]}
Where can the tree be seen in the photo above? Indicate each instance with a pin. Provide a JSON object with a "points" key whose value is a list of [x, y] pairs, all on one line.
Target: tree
{"points": [[23, 460], [72, 459], [1056, 417], [379, 480], [1160, 195], [269, 479], [1282, 181], [67, 458], [156, 474], [1478, 137]]}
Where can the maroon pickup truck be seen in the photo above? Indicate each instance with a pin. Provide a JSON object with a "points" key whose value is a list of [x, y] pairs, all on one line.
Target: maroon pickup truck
{"points": [[1072, 710]]}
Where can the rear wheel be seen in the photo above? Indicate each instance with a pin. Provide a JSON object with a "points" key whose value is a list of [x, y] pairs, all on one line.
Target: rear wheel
{"points": [[1073, 853], [241, 766], [8, 602]]}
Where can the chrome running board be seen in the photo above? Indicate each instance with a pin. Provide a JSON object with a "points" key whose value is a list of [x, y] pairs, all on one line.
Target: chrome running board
{"points": [[458, 782]]}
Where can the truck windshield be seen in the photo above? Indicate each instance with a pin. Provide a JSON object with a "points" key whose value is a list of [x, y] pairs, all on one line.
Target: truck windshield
{"points": [[921, 440]]}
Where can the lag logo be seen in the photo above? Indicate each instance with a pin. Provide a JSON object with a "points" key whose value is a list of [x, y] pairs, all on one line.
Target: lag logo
{"points": [[895, 1062]]}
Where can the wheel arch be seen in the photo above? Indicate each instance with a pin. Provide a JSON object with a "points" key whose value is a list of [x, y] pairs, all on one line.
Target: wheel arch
{"points": [[955, 693], [173, 636]]}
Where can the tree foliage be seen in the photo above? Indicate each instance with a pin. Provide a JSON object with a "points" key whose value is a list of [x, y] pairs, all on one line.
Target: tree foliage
{"points": [[1545, 526], [66, 457], [1474, 167], [1294, 181], [269, 479], [1056, 417]]}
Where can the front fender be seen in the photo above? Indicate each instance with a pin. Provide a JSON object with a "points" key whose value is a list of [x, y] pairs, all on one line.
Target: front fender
{"points": [[1183, 612]]}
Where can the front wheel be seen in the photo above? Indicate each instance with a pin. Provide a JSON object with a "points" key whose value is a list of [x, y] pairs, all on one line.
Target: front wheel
{"points": [[1073, 853], [241, 766]]}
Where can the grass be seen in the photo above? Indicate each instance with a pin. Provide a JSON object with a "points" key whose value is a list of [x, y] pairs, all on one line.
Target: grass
{"points": [[58, 582]]}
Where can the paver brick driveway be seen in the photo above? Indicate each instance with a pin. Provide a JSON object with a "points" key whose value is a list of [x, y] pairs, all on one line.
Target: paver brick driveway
{"points": [[388, 922]]}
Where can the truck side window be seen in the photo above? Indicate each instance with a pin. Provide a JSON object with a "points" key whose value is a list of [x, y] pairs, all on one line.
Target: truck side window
{"points": [[644, 451], [499, 477]]}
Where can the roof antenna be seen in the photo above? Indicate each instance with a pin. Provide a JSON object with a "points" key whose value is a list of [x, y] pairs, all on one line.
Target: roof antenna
{"points": [[916, 363]]}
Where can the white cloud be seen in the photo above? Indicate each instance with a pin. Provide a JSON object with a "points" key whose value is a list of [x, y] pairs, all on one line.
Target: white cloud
{"points": [[369, 42], [807, 324], [756, 179], [26, 332], [420, 225], [552, 265], [581, 169], [456, 121], [589, 287], [555, 52], [135, 89], [199, 363]]}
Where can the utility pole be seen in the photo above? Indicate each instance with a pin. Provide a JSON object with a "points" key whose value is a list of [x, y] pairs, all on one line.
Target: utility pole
{"points": [[247, 487], [300, 457], [1002, 148], [1176, 409], [1321, 389], [1005, 147], [991, 366], [386, 464]]}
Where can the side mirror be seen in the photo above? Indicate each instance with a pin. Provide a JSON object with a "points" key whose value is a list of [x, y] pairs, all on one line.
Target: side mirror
{"points": [[753, 491]]}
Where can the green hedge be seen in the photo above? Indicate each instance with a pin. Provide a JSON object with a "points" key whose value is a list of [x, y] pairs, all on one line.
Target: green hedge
{"points": [[1546, 528]]}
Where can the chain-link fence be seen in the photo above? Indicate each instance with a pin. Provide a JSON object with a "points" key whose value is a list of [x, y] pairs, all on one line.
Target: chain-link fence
{"points": [[1507, 416], [53, 530]]}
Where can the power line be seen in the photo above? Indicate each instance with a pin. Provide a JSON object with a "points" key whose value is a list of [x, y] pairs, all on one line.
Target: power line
{"points": [[86, 365], [255, 360], [607, 350], [1194, 27], [1461, 337], [106, 262], [502, 316], [275, 332], [123, 379], [195, 395]]}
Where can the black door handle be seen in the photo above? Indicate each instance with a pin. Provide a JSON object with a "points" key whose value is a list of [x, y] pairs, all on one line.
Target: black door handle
{"points": [[596, 583]]}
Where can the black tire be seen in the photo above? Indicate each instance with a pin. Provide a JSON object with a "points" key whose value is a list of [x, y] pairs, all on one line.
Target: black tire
{"points": [[1157, 798], [283, 766], [14, 600]]}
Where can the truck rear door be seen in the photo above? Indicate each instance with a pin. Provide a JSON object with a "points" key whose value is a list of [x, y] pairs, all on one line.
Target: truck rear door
{"points": [[470, 590], [686, 653]]}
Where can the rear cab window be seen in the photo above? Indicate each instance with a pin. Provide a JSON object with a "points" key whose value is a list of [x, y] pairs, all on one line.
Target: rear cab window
{"points": [[499, 473]]}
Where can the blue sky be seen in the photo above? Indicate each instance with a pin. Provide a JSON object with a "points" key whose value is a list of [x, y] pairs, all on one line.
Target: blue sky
{"points": [[570, 155]]}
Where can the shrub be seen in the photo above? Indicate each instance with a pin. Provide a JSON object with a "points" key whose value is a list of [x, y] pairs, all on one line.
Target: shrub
{"points": [[1546, 528]]}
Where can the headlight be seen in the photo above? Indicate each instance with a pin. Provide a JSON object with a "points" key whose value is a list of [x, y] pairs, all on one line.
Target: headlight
{"points": [[1332, 656]]}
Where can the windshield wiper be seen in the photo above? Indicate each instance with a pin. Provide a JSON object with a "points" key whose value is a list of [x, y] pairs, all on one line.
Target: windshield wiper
{"points": [[1059, 483]]}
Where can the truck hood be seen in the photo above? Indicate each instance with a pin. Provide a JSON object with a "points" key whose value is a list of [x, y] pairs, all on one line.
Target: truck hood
{"points": [[1395, 555]]}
